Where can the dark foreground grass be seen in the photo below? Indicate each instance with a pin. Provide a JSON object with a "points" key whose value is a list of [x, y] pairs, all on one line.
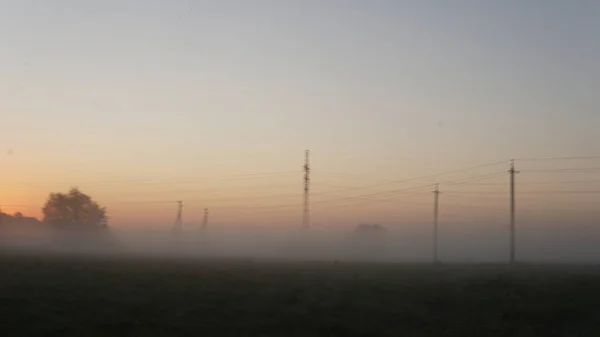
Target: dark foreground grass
{"points": [[151, 297]]}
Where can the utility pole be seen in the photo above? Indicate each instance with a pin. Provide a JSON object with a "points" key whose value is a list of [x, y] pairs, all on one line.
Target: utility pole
{"points": [[306, 210], [512, 173], [205, 219], [178, 221], [436, 193]]}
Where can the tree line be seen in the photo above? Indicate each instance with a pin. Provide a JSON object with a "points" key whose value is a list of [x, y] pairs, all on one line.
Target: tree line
{"points": [[71, 213]]}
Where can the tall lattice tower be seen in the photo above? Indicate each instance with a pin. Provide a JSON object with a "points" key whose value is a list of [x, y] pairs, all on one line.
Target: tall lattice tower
{"points": [[306, 210], [177, 227], [205, 219]]}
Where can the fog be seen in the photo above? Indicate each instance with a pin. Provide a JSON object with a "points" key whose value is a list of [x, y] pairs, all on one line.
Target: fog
{"points": [[458, 244]]}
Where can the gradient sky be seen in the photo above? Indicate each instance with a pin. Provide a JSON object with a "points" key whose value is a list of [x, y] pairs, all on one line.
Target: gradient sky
{"points": [[154, 100]]}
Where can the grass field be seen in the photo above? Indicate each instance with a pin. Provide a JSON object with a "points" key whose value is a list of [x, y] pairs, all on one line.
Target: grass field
{"points": [[59, 296]]}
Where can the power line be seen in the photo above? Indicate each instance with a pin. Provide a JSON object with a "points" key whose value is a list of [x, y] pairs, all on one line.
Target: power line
{"points": [[580, 169], [540, 183], [409, 189], [139, 202], [412, 191], [161, 181], [559, 158], [450, 183], [375, 194], [295, 172], [415, 178], [259, 197], [562, 192], [372, 200], [361, 202], [475, 178], [341, 174], [392, 192], [470, 180], [525, 192], [203, 191], [453, 182], [563, 182], [400, 191]]}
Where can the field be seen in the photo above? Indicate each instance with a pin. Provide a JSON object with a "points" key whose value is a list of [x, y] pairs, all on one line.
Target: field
{"points": [[60, 296]]}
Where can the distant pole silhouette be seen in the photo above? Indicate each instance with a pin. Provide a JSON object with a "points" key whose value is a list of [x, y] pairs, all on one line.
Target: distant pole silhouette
{"points": [[436, 193], [205, 219], [177, 227], [306, 210], [512, 173]]}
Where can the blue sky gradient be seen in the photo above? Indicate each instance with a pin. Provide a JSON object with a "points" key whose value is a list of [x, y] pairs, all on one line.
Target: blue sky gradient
{"points": [[103, 90]]}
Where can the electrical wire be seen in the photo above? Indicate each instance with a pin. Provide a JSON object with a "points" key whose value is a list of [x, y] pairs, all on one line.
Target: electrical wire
{"points": [[559, 158], [415, 178], [580, 169], [166, 181], [410, 189]]}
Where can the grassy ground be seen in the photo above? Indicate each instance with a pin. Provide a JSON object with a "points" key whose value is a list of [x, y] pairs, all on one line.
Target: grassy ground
{"points": [[143, 297]]}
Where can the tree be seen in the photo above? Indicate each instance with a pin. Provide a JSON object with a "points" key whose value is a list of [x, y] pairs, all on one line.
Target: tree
{"points": [[76, 212]]}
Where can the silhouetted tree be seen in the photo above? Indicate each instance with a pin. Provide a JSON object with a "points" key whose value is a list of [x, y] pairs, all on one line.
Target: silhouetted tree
{"points": [[75, 211], [20, 224]]}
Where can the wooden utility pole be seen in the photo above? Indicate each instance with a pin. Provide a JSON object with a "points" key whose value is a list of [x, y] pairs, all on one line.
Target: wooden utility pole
{"points": [[178, 226]]}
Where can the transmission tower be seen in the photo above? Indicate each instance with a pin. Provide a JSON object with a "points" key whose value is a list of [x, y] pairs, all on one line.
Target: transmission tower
{"points": [[436, 193], [512, 173], [306, 211], [177, 227], [205, 219]]}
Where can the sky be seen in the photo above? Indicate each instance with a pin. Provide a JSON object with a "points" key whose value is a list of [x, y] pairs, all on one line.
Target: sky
{"points": [[142, 103]]}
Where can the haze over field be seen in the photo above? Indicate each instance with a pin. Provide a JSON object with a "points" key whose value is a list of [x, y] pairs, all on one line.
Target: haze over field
{"points": [[144, 103]]}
